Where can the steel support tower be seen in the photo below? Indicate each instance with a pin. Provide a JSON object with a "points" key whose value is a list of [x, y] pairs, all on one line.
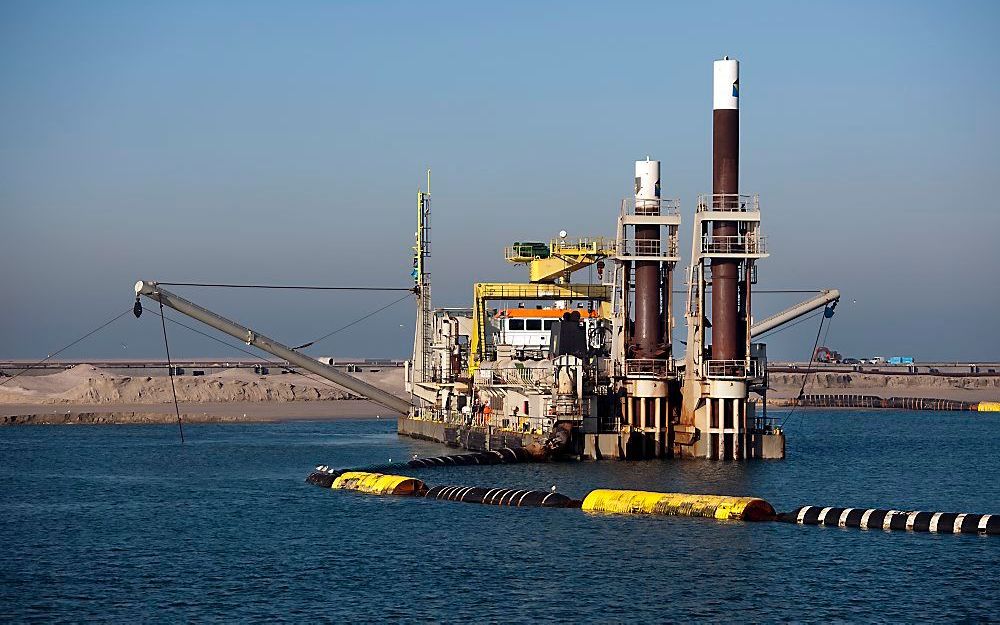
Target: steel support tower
{"points": [[646, 254], [717, 420]]}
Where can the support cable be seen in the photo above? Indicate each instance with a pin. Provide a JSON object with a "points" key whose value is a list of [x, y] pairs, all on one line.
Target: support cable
{"points": [[782, 328], [827, 313], [56, 353], [356, 321], [273, 363], [170, 372], [222, 285]]}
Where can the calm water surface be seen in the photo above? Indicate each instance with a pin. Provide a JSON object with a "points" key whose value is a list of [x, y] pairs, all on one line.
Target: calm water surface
{"points": [[121, 523]]}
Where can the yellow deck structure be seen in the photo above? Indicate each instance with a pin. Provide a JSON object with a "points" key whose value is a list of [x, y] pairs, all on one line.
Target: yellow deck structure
{"points": [[486, 291]]}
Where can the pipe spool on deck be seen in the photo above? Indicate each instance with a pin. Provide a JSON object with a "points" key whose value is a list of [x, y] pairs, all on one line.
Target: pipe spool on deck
{"points": [[378, 483], [517, 498], [912, 521], [679, 504]]}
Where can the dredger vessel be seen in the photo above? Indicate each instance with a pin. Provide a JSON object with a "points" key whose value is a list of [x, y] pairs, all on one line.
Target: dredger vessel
{"points": [[591, 368], [550, 366]]}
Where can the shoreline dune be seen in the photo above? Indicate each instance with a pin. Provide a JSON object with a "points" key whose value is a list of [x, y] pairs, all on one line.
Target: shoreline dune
{"points": [[88, 394], [86, 384]]}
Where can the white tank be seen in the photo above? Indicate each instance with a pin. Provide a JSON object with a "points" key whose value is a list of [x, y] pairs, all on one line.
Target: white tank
{"points": [[647, 180], [647, 187], [726, 84]]}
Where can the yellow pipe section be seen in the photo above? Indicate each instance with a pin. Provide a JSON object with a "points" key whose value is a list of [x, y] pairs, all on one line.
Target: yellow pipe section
{"points": [[988, 406], [379, 483], [678, 504]]}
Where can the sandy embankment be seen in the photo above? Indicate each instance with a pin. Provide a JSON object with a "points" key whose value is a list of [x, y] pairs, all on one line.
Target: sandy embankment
{"points": [[86, 394], [971, 388]]}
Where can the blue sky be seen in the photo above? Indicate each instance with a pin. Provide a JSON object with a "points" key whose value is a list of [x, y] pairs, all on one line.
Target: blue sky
{"points": [[284, 142]]}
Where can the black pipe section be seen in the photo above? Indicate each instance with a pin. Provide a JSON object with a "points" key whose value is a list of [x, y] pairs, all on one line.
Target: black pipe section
{"points": [[502, 497], [322, 478], [508, 455], [915, 521], [648, 324]]}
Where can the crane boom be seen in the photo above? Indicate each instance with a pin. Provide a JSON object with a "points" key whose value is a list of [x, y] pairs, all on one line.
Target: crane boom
{"points": [[157, 293], [796, 311]]}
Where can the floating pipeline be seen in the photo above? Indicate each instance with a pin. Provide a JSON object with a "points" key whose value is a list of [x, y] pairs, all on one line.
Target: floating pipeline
{"points": [[913, 521], [669, 504], [555, 445], [502, 497], [897, 403], [324, 475], [679, 504], [378, 484]]}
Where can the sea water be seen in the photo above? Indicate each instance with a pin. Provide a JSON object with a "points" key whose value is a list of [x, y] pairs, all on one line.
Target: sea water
{"points": [[125, 524]]}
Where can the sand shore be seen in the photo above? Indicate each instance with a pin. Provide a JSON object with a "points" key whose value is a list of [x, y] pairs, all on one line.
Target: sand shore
{"points": [[87, 394], [206, 412]]}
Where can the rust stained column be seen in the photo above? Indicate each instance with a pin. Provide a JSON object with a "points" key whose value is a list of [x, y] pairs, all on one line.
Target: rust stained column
{"points": [[648, 327], [725, 181]]}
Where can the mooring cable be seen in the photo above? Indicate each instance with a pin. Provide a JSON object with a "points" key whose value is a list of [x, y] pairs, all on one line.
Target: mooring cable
{"points": [[56, 353]]}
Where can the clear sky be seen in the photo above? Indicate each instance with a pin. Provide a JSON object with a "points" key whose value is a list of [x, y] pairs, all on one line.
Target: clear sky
{"points": [[284, 142]]}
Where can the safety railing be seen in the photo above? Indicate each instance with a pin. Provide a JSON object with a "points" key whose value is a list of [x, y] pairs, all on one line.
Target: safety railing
{"points": [[658, 367], [733, 369], [588, 246], [651, 208], [504, 421], [515, 376], [565, 408], [526, 291], [649, 247], [728, 202], [526, 252], [435, 414], [737, 244]]}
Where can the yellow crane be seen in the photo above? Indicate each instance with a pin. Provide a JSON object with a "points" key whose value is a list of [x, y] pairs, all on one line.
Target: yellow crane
{"points": [[560, 257]]}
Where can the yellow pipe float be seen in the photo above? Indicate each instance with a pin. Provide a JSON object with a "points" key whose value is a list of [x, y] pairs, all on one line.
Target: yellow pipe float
{"points": [[679, 504], [988, 406], [379, 483]]}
